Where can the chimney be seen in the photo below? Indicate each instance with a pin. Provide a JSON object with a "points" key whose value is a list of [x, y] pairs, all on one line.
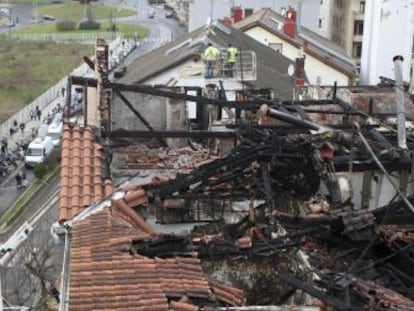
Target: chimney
{"points": [[237, 13], [289, 27], [300, 71]]}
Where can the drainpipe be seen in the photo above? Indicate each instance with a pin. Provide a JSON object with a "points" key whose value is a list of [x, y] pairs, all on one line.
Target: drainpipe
{"points": [[411, 88], [399, 92]]}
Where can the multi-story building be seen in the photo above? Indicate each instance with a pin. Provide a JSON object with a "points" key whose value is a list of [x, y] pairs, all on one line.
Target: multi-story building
{"points": [[342, 21], [372, 32]]}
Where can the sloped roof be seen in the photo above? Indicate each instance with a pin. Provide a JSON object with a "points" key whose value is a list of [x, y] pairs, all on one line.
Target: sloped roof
{"points": [[82, 172], [272, 67], [314, 44], [107, 274]]}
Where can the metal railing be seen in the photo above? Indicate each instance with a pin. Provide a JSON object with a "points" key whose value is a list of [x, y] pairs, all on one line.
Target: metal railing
{"points": [[243, 69], [61, 36]]}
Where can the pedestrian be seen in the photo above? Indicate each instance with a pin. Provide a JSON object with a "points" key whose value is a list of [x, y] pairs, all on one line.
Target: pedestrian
{"points": [[15, 123], [3, 150], [4, 143], [11, 131], [32, 116], [232, 54], [18, 180], [39, 114], [22, 126], [210, 57], [63, 92]]}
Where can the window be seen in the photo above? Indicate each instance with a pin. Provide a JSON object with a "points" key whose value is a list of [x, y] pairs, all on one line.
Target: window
{"points": [[362, 7], [248, 12], [276, 47], [320, 23], [340, 3], [357, 49], [358, 27]]}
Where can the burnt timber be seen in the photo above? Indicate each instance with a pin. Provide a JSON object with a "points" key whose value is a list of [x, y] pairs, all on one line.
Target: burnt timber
{"points": [[359, 258]]}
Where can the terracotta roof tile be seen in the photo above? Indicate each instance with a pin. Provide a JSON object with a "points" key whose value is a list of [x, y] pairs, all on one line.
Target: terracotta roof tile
{"points": [[81, 172], [105, 276]]}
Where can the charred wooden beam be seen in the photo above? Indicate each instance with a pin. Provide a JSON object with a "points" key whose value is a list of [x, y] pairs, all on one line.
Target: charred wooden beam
{"points": [[121, 133], [299, 284], [246, 105], [89, 82]]}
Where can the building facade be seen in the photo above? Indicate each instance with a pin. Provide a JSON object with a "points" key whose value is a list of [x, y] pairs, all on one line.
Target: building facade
{"points": [[324, 62], [388, 31], [342, 21], [196, 13]]}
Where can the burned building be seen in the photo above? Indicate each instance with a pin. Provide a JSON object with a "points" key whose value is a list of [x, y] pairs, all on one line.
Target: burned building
{"points": [[284, 225]]}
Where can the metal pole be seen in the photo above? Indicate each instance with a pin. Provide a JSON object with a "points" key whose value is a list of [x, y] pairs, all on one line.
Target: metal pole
{"points": [[399, 92], [1, 293]]}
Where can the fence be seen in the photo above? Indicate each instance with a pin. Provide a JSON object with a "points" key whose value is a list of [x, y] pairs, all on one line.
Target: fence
{"points": [[63, 37]]}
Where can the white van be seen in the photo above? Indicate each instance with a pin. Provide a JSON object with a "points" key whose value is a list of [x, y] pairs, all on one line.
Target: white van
{"points": [[38, 150], [54, 131]]}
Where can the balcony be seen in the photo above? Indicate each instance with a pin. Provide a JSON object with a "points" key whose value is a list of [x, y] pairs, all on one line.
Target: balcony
{"points": [[244, 69]]}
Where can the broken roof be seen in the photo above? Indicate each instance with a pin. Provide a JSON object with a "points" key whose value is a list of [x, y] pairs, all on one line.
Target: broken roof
{"points": [[106, 272], [319, 47], [272, 67]]}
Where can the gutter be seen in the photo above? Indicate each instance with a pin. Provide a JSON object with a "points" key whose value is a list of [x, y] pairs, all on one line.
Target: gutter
{"points": [[64, 286]]}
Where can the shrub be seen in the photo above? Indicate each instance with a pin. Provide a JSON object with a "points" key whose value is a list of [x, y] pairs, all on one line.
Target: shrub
{"points": [[88, 25], [66, 26], [40, 171], [112, 27]]}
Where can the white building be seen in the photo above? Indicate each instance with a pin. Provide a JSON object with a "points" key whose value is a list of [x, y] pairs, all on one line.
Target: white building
{"points": [[324, 62], [388, 31]]}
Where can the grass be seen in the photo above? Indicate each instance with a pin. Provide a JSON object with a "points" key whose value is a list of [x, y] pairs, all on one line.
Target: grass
{"points": [[28, 1], [30, 68], [126, 28], [76, 12]]}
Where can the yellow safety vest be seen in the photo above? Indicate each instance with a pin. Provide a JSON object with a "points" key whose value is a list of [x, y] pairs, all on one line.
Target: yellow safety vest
{"points": [[211, 53], [232, 54]]}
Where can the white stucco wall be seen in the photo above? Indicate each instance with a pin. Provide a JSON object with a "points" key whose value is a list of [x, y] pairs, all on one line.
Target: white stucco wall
{"points": [[200, 10], [388, 31], [188, 74], [313, 66]]}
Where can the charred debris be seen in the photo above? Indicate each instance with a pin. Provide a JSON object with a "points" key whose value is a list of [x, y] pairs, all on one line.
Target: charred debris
{"points": [[300, 196], [291, 175]]}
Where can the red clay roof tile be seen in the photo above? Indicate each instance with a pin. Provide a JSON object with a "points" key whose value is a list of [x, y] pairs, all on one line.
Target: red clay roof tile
{"points": [[81, 172], [104, 278]]}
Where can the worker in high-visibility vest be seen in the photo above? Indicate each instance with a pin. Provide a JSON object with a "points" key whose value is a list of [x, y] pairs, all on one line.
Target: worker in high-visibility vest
{"points": [[232, 53], [210, 57]]}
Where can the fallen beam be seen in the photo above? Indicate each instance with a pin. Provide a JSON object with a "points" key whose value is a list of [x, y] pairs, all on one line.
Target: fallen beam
{"points": [[171, 134]]}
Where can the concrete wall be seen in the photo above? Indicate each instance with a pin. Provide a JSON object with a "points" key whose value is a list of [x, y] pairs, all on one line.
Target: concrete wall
{"points": [[152, 108], [176, 119], [314, 68]]}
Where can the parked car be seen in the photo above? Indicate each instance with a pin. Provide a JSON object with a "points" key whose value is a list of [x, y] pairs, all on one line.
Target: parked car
{"points": [[169, 14], [151, 14], [48, 17], [10, 24]]}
